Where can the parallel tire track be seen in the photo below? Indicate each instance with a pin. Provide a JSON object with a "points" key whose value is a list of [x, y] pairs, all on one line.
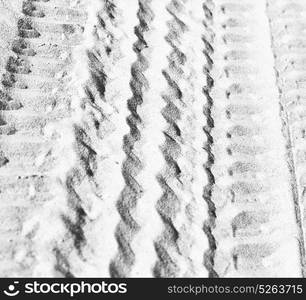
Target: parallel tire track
{"points": [[150, 138], [34, 101], [252, 190], [137, 195], [106, 94], [287, 27], [182, 245]]}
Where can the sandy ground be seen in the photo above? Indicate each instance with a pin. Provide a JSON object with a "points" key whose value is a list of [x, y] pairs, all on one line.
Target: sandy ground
{"points": [[152, 138]]}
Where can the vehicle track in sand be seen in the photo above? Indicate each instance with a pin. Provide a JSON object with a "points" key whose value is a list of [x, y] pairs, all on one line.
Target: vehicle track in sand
{"points": [[152, 138]]}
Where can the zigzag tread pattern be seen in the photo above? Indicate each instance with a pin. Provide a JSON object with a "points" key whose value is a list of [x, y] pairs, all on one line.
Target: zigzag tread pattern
{"points": [[158, 138]]}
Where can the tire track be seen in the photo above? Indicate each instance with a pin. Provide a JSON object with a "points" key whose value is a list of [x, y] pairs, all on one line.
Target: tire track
{"points": [[136, 204], [250, 198], [149, 134], [106, 92], [170, 262], [287, 24], [182, 244], [208, 39], [34, 141]]}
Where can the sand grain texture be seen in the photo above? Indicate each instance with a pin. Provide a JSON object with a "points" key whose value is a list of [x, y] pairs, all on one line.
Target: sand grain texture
{"points": [[150, 138]]}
